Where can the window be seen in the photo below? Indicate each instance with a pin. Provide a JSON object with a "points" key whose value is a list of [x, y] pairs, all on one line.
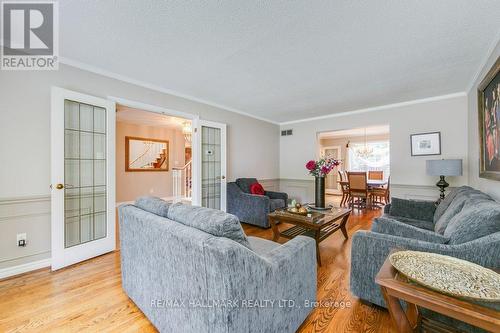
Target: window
{"points": [[379, 159]]}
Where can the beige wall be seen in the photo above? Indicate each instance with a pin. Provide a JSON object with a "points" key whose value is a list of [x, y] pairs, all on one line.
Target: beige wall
{"points": [[253, 148], [130, 185], [491, 187]]}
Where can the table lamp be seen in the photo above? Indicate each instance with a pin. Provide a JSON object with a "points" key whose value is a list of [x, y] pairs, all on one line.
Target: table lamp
{"points": [[443, 168]]}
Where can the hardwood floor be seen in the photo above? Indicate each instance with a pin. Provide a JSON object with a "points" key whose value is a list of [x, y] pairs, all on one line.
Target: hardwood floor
{"points": [[87, 297]]}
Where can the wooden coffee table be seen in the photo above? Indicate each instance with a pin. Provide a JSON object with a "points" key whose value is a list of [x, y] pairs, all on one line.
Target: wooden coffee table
{"points": [[396, 287], [320, 226]]}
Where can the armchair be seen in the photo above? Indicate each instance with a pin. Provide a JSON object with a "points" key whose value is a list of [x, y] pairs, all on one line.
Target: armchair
{"points": [[250, 208]]}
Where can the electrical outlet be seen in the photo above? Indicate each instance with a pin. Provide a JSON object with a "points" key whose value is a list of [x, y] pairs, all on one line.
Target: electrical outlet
{"points": [[21, 240]]}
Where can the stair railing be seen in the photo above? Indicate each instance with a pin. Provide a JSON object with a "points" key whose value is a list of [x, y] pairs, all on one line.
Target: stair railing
{"points": [[182, 182]]}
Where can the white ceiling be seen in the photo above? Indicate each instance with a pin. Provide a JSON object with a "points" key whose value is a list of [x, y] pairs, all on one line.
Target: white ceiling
{"points": [[355, 132], [286, 60], [130, 115]]}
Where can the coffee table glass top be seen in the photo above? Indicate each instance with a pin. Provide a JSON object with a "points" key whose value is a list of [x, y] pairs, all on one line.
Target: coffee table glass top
{"points": [[316, 217]]}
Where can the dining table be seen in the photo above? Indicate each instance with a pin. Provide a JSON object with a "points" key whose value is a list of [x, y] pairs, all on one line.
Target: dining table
{"points": [[369, 182]]}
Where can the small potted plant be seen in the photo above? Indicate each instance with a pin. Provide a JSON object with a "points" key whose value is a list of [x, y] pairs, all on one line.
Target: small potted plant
{"points": [[320, 169]]}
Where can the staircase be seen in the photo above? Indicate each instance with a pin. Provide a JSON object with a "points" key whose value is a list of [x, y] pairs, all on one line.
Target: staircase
{"points": [[153, 157], [161, 159]]}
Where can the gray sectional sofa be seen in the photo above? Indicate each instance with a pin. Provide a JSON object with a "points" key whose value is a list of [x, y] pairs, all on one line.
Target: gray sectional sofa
{"points": [[192, 269], [466, 225]]}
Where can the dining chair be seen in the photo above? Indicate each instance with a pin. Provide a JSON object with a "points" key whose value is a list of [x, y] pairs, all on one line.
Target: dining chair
{"points": [[345, 188], [358, 190], [376, 175], [381, 195]]}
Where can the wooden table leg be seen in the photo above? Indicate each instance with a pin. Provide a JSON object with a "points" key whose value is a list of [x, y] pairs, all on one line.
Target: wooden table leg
{"points": [[412, 314], [343, 225], [316, 237], [398, 316], [276, 232]]}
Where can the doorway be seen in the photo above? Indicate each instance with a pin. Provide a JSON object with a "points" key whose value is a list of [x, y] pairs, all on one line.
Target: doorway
{"points": [[151, 155], [363, 149]]}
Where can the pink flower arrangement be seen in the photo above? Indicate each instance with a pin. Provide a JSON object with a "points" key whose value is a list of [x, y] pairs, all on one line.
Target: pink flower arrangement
{"points": [[322, 167], [311, 165]]}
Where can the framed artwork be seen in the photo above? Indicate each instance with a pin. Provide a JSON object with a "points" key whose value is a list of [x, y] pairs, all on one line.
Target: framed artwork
{"points": [[488, 95], [145, 154], [425, 144]]}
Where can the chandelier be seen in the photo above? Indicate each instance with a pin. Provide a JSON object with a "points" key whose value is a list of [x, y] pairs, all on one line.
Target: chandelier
{"points": [[365, 151], [187, 131]]}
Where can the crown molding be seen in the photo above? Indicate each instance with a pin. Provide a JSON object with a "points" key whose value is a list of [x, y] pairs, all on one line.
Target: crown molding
{"points": [[109, 74], [123, 78], [483, 64], [379, 108]]}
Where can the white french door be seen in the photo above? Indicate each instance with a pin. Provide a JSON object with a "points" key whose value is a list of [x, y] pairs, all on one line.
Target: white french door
{"points": [[212, 160], [82, 177]]}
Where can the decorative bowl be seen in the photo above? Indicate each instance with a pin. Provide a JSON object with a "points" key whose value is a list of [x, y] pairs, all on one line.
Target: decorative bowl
{"points": [[448, 275], [298, 213]]}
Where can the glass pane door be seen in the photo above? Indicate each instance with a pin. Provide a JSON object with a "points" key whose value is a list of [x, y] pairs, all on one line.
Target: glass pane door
{"points": [[84, 173], [211, 170]]}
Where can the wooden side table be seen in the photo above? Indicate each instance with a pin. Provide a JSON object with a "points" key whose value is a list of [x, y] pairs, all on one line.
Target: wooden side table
{"points": [[396, 287]]}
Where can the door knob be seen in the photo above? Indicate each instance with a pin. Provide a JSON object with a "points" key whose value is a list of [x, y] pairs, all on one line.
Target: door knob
{"points": [[223, 177], [59, 186]]}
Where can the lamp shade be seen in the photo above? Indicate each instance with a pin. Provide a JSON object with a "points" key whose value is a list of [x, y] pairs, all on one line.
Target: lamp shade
{"points": [[444, 167]]}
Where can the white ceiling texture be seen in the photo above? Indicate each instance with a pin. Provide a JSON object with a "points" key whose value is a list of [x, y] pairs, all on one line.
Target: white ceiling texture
{"points": [[285, 60]]}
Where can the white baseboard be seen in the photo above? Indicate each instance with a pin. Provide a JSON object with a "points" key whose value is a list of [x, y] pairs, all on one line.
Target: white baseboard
{"points": [[19, 269]]}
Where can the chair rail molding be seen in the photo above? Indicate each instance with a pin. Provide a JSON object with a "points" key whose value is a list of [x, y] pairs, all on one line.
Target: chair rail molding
{"points": [[417, 192], [271, 184], [301, 190], [30, 215]]}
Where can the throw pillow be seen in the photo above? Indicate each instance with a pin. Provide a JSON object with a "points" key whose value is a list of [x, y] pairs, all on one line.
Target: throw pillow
{"points": [[256, 188]]}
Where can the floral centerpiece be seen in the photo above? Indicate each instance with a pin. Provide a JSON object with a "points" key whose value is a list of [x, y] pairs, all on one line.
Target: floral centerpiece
{"points": [[319, 169]]}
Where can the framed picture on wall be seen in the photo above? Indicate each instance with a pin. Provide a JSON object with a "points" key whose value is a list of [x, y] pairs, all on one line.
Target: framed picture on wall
{"points": [[142, 154], [488, 95], [425, 144]]}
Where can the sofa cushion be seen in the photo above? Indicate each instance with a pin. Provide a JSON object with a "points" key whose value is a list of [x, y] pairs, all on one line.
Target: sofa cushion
{"points": [[153, 205], [212, 221], [453, 209], [245, 183], [428, 225], [477, 219], [441, 208], [262, 246], [414, 209], [276, 203], [461, 198], [390, 226]]}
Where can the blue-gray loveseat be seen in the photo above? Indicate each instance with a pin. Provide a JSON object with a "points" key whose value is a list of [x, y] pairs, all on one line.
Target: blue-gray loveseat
{"points": [[192, 269], [251, 208], [466, 225]]}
